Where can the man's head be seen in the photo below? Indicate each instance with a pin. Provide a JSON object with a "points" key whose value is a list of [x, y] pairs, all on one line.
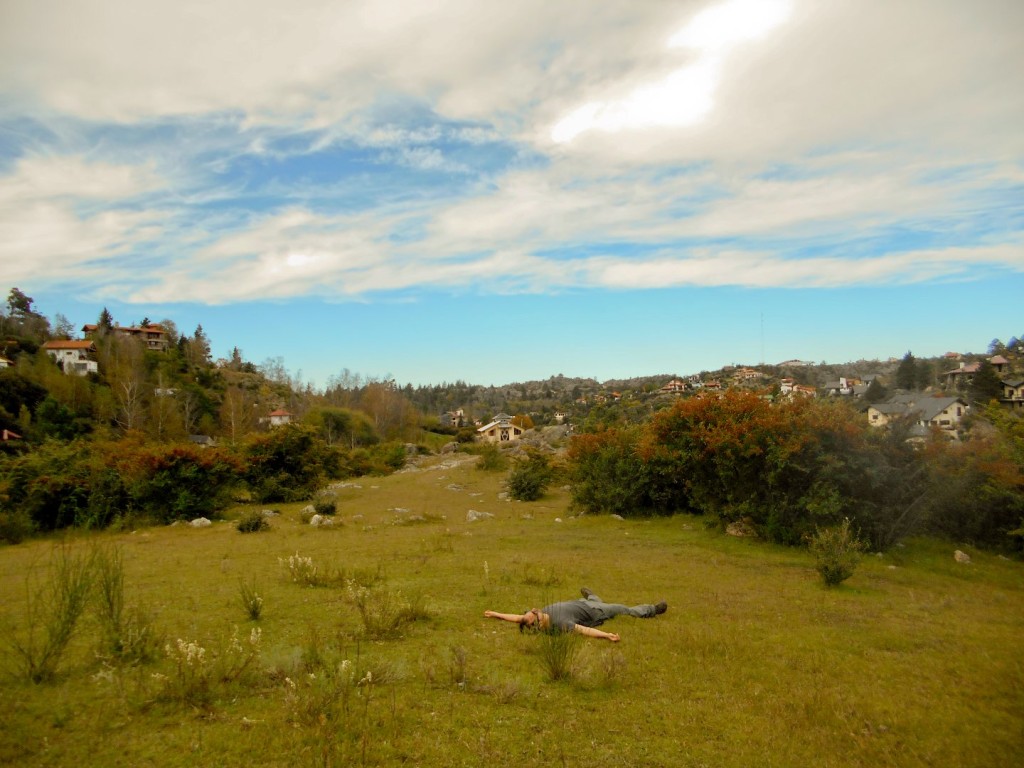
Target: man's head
{"points": [[531, 619]]}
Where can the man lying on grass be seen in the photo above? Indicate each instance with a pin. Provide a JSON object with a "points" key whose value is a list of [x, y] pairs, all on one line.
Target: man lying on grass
{"points": [[580, 616]]}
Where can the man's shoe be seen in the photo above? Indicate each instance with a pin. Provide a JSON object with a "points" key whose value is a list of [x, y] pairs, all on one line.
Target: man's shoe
{"points": [[660, 608], [587, 594]]}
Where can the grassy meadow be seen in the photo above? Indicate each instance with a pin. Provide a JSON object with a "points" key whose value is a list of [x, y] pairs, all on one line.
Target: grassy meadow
{"points": [[371, 647]]}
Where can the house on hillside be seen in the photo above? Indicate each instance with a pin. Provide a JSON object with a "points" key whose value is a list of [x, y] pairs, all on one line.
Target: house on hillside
{"points": [[455, 419], [673, 387], [73, 356], [962, 376], [744, 375], [946, 413], [278, 418], [846, 386], [500, 430], [153, 336], [1013, 393], [7, 435], [5, 363]]}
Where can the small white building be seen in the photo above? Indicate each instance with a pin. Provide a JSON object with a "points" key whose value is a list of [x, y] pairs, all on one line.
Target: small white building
{"points": [[279, 418], [73, 356]]}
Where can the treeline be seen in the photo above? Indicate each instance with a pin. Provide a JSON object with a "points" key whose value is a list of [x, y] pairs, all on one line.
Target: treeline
{"points": [[785, 469]]}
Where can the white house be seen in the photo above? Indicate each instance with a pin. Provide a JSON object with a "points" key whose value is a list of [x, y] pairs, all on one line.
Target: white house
{"points": [[279, 418], [73, 356]]}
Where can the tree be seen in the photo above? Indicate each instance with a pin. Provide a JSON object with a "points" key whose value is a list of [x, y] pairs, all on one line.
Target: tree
{"points": [[996, 347], [19, 305], [105, 321], [63, 329], [985, 385], [237, 412], [199, 349], [906, 373], [924, 376], [875, 393]]}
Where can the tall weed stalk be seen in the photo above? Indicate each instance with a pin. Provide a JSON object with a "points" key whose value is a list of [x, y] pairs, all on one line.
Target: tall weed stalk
{"points": [[126, 632], [52, 611]]}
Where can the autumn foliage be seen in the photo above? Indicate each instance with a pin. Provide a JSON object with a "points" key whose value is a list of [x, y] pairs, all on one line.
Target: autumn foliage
{"points": [[790, 468]]}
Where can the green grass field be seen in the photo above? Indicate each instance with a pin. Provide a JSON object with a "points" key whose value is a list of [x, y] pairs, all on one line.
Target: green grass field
{"points": [[915, 661]]}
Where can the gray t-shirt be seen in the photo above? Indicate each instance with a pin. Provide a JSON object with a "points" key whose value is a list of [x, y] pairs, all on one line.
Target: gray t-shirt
{"points": [[566, 615]]}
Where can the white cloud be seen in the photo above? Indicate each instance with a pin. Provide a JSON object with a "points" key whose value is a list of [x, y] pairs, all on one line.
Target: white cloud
{"points": [[773, 270], [793, 122], [59, 214]]}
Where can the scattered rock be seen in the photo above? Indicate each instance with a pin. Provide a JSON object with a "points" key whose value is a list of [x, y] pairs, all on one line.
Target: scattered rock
{"points": [[558, 519], [320, 521], [617, 516], [200, 522], [961, 557], [307, 510], [473, 516], [449, 448], [454, 487], [270, 513]]}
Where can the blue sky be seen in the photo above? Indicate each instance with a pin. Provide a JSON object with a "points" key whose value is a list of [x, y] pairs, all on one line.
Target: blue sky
{"points": [[496, 192]]}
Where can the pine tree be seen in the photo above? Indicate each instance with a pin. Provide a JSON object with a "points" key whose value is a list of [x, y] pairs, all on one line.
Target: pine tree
{"points": [[985, 385], [906, 374], [105, 322]]}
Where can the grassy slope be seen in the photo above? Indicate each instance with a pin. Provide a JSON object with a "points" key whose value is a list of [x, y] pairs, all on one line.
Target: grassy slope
{"points": [[755, 664]]}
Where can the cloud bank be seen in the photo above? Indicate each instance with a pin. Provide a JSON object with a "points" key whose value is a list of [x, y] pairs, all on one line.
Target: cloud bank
{"points": [[233, 152]]}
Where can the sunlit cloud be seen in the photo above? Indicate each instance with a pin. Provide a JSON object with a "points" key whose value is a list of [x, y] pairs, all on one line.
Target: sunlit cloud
{"points": [[686, 95], [731, 22]]}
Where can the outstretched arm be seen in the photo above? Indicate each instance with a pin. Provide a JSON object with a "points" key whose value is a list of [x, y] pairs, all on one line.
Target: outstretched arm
{"points": [[594, 632], [515, 618]]}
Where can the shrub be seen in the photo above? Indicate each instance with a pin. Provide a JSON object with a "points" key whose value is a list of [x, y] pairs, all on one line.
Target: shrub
{"points": [[178, 482], [325, 507], [530, 477], [15, 525], [252, 521], [288, 463], [837, 552], [606, 475], [252, 601], [558, 651], [384, 611], [491, 458]]}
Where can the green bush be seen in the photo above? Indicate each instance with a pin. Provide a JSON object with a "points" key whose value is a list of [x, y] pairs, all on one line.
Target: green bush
{"points": [[288, 463], [15, 526], [252, 521], [606, 475], [491, 458], [837, 551], [530, 477], [325, 507], [182, 482]]}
